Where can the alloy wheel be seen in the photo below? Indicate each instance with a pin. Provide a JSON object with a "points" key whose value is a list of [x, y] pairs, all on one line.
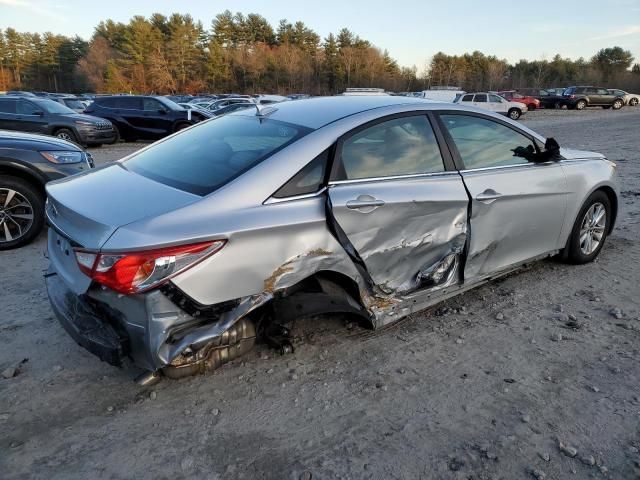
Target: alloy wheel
{"points": [[64, 136], [592, 228], [16, 215]]}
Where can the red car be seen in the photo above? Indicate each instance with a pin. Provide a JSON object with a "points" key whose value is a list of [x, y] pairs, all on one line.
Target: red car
{"points": [[513, 96]]}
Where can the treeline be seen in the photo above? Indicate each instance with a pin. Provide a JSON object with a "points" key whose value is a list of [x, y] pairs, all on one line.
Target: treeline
{"points": [[245, 54]]}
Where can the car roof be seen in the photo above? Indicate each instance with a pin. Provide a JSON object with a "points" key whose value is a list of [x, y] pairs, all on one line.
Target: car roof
{"points": [[320, 111]]}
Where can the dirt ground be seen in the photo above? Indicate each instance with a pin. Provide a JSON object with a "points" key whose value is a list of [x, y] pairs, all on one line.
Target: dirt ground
{"points": [[484, 386]]}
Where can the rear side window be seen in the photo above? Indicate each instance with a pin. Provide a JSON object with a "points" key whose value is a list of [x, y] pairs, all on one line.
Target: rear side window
{"points": [[127, 103], [484, 143], [307, 180], [7, 105], [402, 146], [202, 159], [481, 97]]}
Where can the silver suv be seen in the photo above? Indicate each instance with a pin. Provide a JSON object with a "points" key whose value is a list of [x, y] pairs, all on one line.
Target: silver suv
{"points": [[179, 255]]}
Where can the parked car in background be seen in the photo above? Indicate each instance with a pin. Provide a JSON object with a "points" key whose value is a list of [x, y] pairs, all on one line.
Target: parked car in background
{"points": [[45, 116], [631, 99], [494, 103], [234, 107], [530, 101], [224, 102], [267, 99], [20, 93], [355, 206], [581, 97], [73, 103], [143, 117], [445, 95], [194, 106], [353, 92], [27, 163]]}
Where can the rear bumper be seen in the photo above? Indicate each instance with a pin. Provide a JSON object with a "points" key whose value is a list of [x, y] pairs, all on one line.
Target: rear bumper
{"points": [[84, 324]]}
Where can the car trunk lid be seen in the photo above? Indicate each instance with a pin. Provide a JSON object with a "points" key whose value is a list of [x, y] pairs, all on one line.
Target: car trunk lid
{"points": [[85, 210]]}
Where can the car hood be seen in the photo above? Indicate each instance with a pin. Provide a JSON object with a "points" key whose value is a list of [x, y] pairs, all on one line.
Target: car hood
{"points": [[32, 141], [89, 208], [83, 117], [572, 154]]}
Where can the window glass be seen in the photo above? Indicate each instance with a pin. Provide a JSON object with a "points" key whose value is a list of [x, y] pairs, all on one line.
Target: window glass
{"points": [[51, 106], [467, 98], [7, 105], [497, 99], [480, 97], [603, 91], [151, 104], [401, 146], [204, 158], [307, 180], [73, 103], [27, 108], [128, 103], [484, 143]]}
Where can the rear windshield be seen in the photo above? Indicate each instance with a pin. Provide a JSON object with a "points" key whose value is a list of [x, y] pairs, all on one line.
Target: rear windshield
{"points": [[204, 158]]}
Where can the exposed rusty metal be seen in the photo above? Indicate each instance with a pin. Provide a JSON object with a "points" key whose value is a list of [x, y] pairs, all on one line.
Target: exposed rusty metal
{"points": [[234, 342]]}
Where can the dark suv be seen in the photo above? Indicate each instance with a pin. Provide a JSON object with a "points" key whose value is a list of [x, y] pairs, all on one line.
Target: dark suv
{"points": [[27, 162], [41, 115], [142, 117], [582, 97]]}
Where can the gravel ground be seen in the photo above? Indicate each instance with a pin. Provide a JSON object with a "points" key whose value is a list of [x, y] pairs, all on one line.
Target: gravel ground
{"points": [[534, 376]]}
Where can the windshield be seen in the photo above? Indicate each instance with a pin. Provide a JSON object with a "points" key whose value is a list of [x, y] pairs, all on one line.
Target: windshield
{"points": [[204, 158], [54, 107]]}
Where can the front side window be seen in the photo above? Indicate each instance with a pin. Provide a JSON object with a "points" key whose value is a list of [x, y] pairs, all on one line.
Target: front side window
{"points": [[484, 143], [151, 104], [467, 98], [497, 99], [27, 108], [402, 146], [480, 97], [54, 107], [204, 158]]}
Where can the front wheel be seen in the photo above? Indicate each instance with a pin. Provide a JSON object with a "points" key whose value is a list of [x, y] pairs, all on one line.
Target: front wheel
{"points": [[66, 134], [514, 114], [21, 212], [617, 105], [633, 102], [589, 230]]}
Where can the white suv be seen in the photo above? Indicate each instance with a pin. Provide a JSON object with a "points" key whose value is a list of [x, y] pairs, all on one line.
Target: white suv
{"points": [[494, 103]]}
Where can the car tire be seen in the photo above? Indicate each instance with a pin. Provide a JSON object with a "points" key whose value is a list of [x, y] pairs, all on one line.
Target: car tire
{"points": [[558, 105], [580, 247], [633, 102], [514, 113], [581, 104], [26, 200], [66, 134], [617, 104]]}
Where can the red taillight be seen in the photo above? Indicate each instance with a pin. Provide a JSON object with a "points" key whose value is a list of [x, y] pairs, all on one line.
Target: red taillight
{"points": [[140, 271]]}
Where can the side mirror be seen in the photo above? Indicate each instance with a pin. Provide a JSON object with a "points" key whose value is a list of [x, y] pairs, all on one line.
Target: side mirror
{"points": [[162, 111]]}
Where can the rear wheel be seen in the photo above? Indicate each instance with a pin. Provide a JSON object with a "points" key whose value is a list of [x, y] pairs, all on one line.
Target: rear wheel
{"points": [[589, 230], [581, 104], [531, 106], [514, 113], [21, 212], [617, 105], [66, 134]]}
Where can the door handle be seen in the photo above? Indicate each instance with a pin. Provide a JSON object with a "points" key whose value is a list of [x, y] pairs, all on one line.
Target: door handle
{"points": [[488, 196], [365, 202]]}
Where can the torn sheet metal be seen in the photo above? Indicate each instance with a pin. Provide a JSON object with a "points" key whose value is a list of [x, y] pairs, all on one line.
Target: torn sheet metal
{"points": [[420, 223]]}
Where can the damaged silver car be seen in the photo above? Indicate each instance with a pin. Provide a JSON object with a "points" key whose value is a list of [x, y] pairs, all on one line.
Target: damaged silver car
{"points": [[183, 254]]}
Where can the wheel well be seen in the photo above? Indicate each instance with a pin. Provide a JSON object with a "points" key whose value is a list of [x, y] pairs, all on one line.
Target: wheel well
{"points": [[179, 123], [24, 175], [613, 198]]}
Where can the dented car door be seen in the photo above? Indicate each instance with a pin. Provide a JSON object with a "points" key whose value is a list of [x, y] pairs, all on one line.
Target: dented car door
{"points": [[517, 207], [401, 209]]}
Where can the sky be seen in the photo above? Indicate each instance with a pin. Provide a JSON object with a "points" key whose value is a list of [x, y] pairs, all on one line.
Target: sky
{"points": [[411, 30]]}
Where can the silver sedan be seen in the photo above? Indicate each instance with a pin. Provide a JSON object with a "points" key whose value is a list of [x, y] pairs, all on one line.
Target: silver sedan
{"points": [[181, 254]]}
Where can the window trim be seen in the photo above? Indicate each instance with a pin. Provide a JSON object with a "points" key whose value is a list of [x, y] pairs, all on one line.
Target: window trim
{"points": [[447, 161], [460, 166]]}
